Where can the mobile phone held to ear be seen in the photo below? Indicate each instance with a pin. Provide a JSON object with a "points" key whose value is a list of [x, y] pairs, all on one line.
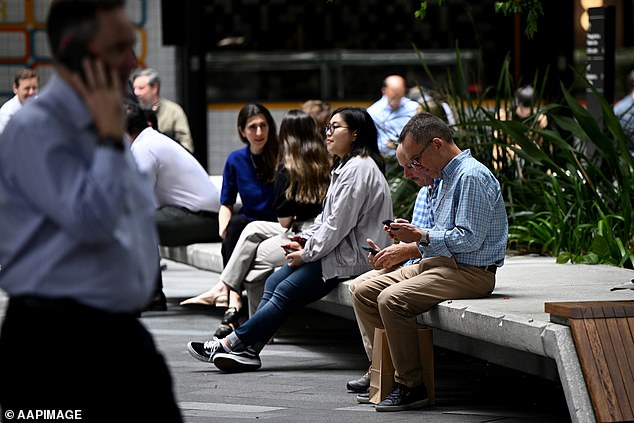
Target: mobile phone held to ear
{"points": [[370, 249]]}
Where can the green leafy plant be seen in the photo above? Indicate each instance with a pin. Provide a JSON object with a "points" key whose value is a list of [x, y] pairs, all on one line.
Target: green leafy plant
{"points": [[568, 187], [531, 8]]}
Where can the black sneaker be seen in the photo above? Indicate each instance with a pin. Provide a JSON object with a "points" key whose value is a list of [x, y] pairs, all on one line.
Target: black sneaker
{"points": [[404, 398], [364, 398], [238, 361], [205, 351], [360, 385]]}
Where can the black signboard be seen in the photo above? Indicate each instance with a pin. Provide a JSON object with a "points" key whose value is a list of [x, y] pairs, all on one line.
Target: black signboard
{"points": [[600, 57]]}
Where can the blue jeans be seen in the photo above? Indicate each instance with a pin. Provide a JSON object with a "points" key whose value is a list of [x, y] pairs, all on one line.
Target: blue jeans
{"points": [[285, 291]]}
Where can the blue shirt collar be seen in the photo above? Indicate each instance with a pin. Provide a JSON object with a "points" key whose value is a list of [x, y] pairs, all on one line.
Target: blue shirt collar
{"points": [[454, 163]]}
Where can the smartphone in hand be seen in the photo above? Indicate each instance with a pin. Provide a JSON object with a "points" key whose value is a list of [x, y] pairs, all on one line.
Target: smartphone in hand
{"points": [[388, 222], [370, 249], [288, 250]]}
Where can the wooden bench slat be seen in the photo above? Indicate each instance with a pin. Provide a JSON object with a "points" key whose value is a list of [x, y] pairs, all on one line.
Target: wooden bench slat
{"points": [[627, 337], [624, 362], [589, 365], [617, 364]]}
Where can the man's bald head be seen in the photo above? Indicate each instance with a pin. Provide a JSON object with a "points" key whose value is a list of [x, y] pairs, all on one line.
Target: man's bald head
{"points": [[394, 88]]}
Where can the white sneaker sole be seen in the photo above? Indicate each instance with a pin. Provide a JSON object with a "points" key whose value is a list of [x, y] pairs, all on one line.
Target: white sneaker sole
{"points": [[412, 406], [232, 363], [364, 399]]}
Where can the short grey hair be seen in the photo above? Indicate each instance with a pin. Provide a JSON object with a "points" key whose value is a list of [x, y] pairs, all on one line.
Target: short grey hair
{"points": [[152, 74]]}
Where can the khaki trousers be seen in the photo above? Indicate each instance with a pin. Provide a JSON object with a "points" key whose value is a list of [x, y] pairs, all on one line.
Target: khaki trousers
{"points": [[242, 265], [393, 300], [367, 343]]}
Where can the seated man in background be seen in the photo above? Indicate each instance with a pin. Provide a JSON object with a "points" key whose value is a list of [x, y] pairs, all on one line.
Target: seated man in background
{"points": [[186, 199], [391, 112], [172, 120]]}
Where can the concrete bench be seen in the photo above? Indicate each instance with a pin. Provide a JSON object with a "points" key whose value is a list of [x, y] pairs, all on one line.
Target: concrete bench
{"points": [[509, 328]]}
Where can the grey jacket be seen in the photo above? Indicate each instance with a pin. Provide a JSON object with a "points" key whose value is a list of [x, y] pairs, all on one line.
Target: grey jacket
{"points": [[357, 201]]}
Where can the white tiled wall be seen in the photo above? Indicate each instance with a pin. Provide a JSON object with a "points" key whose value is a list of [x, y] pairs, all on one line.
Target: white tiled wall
{"points": [[24, 43], [160, 57], [222, 135]]}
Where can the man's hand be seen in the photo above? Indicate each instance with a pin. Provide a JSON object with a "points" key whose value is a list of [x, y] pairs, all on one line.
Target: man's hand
{"points": [[103, 95], [390, 231], [406, 232], [371, 255], [393, 255]]}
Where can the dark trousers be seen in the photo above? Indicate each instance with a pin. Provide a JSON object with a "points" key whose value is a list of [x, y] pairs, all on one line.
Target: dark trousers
{"points": [[58, 354], [179, 226], [237, 223]]}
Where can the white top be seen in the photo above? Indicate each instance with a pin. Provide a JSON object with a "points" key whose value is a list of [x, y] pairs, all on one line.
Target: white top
{"points": [[177, 177], [8, 109]]}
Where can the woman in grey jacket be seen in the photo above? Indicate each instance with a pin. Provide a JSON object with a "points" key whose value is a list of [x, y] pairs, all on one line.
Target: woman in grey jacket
{"points": [[329, 251]]}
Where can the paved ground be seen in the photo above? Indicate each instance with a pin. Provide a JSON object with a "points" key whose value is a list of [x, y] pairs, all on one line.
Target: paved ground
{"points": [[305, 369]]}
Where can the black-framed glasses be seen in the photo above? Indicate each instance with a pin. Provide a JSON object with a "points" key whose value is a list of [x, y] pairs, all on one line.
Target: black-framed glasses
{"points": [[331, 128], [414, 162]]}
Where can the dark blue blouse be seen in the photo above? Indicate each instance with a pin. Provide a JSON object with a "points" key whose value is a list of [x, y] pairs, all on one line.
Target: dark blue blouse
{"points": [[239, 177]]}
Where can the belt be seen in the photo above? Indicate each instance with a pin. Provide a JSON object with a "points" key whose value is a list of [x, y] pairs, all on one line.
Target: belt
{"points": [[205, 213], [490, 268]]}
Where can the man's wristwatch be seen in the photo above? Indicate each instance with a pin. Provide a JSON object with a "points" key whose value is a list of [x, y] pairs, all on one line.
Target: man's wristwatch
{"points": [[424, 239], [110, 141]]}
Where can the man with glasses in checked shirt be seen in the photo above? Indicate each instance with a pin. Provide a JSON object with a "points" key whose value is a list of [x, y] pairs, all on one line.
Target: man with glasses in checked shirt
{"points": [[461, 253]]}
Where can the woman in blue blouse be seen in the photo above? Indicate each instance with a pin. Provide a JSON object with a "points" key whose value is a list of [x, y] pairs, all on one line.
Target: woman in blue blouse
{"points": [[249, 172]]}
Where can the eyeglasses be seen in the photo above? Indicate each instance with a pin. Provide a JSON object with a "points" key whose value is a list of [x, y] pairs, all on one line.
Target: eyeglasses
{"points": [[331, 128], [414, 162]]}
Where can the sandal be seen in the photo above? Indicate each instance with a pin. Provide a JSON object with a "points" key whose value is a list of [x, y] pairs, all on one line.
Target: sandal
{"points": [[211, 298], [229, 323]]}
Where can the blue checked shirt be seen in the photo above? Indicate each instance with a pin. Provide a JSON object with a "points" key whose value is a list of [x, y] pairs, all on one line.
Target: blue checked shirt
{"points": [[423, 214], [470, 218]]}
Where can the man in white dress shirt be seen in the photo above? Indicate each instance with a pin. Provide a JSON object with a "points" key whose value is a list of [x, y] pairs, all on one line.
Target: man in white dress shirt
{"points": [[25, 86], [187, 201]]}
